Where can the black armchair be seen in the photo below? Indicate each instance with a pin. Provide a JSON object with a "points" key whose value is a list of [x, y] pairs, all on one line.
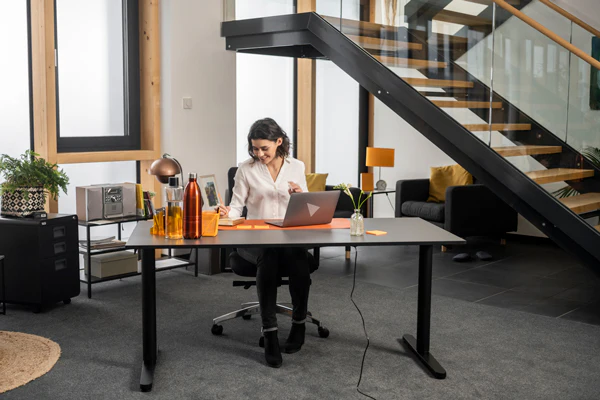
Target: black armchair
{"points": [[471, 210]]}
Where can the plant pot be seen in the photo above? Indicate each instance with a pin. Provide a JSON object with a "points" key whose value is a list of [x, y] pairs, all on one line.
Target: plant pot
{"points": [[17, 205]]}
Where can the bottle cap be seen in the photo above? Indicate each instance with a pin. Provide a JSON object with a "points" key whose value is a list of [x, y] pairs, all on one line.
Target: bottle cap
{"points": [[193, 175], [173, 181]]}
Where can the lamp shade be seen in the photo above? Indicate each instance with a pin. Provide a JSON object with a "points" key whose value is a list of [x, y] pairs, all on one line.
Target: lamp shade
{"points": [[379, 157], [163, 168]]}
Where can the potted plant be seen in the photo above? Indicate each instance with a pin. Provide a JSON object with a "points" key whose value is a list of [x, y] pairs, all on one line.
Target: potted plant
{"points": [[27, 179]]}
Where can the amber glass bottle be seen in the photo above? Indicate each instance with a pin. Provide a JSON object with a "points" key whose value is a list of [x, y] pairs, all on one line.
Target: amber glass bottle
{"points": [[192, 209]]}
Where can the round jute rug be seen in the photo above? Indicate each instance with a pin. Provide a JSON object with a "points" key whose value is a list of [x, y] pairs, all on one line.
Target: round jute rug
{"points": [[24, 357]]}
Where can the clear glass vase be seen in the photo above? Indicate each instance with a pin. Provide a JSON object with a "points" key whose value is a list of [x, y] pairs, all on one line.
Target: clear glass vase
{"points": [[357, 224]]}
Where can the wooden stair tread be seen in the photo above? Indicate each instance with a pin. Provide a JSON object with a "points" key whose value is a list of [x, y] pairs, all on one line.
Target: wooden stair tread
{"points": [[490, 2], [511, 151], [466, 104], [582, 203], [361, 28], [559, 175], [410, 62], [497, 127], [461, 19], [443, 38], [597, 227], [375, 43], [437, 83]]}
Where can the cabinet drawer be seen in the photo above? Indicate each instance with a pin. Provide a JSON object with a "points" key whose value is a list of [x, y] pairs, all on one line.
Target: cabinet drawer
{"points": [[60, 277], [58, 239]]}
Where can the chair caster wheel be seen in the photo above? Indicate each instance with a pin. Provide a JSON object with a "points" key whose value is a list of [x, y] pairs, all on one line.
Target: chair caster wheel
{"points": [[323, 332], [246, 317], [217, 330], [261, 341], [67, 301]]}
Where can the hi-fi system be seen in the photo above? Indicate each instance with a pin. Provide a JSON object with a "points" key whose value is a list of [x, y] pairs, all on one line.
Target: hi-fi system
{"points": [[106, 201]]}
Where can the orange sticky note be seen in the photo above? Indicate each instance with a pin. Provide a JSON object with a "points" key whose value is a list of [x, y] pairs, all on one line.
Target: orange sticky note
{"points": [[377, 233], [244, 227], [261, 226]]}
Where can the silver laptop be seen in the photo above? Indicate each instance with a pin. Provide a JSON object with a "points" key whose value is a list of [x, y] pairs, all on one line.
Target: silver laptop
{"points": [[309, 208]]}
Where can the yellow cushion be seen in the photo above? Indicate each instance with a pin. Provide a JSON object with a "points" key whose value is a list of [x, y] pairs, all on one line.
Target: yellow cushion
{"points": [[316, 182], [442, 177]]}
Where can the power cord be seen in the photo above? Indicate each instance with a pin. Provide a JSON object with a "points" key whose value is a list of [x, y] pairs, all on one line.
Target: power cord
{"points": [[362, 364], [388, 197]]}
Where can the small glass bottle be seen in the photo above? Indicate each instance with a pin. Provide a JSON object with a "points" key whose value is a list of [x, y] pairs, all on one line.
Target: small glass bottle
{"points": [[192, 209], [174, 228], [357, 224]]}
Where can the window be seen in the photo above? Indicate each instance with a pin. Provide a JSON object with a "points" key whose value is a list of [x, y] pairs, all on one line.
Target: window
{"points": [[15, 106], [97, 75]]}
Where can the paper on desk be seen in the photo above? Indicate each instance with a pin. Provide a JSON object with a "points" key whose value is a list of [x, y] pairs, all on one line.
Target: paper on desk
{"points": [[377, 233]]}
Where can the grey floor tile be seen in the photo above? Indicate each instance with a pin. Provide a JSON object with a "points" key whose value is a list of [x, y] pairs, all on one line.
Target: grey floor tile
{"points": [[552, 307], [462, 290], [576, 275], [581, 293], [511, 299], [493, 278], [398, 278], [535, 264], [589, 314], [544, 287]]}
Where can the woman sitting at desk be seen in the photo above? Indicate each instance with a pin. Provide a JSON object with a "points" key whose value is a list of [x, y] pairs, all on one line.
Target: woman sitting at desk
{"points": [[263, 184]]}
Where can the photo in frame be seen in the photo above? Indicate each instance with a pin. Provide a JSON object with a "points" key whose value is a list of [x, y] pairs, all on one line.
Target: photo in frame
{"points": [[210, 192]]}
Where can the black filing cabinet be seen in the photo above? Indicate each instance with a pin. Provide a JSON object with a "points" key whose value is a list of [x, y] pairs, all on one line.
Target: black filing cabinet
{"points": [[41, 259]]}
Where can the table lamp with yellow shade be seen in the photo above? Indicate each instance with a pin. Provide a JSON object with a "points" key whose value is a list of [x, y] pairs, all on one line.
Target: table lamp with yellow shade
{"points": [[380, 157]]}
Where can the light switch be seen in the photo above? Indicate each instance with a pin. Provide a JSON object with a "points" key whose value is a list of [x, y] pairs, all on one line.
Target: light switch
{"points": [[187, 103]]}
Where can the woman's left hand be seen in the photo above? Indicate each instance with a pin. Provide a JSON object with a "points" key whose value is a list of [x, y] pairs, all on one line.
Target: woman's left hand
{"points": [[294, 188]]}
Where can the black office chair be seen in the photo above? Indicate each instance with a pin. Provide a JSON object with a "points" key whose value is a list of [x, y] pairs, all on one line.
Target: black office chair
{"points": [[242, 267]]}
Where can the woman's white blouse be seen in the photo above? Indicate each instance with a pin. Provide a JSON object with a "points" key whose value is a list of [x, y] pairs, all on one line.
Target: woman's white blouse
{"points": [[255, 189]]}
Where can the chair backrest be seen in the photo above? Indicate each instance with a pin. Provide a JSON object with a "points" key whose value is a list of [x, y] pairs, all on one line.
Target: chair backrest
{"points": [[230, 183]]}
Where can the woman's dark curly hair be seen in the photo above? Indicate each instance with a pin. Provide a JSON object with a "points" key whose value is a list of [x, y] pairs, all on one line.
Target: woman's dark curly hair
{"points": [[268, 129]]}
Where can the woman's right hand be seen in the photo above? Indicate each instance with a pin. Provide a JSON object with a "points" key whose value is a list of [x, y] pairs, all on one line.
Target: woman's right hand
{"points": [[223, 210]]}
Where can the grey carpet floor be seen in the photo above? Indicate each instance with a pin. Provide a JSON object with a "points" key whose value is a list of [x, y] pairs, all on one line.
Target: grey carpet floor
{"points": [[489, 353]]}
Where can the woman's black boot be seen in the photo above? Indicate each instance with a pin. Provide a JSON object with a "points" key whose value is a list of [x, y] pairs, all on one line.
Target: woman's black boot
{"points": [[295, 339], [272, 350]]}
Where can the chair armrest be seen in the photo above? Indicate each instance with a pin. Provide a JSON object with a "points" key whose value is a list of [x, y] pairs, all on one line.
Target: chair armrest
{"points": [[410, 190], [474, 210]]}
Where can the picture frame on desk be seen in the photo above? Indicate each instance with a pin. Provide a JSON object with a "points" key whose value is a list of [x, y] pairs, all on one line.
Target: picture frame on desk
{"points": [[211, 197]]}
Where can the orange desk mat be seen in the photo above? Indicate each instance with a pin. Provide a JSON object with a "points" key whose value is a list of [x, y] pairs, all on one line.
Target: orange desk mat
{"points": [[259, 224]]}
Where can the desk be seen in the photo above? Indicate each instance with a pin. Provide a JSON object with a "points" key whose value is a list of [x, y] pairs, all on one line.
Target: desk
{"points": [[401, 232]]}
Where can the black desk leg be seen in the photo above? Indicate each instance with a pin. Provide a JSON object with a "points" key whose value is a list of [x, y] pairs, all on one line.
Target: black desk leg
{"points": [[420, 346], [148, 319]]}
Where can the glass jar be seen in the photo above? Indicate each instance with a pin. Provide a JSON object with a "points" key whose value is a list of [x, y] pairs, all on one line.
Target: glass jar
{"points": [[357, 224]]}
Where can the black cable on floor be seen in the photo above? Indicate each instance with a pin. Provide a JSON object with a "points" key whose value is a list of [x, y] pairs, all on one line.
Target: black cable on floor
{"points": [[362, 364]]}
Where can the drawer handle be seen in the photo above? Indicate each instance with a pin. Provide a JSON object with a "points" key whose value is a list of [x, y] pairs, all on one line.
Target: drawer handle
{"points": [[60, 248], [60, 264], [59, 231]]}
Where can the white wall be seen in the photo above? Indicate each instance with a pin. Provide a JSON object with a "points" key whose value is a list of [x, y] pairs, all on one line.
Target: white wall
{"points": [[194, 63], [265, 84]]}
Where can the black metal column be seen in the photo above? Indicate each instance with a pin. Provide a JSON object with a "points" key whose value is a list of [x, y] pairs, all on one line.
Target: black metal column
{"points": [[150, 348], [420, 345]]}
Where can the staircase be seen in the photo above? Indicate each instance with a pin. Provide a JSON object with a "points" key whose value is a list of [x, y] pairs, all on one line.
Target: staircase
{"points": [[415, 73]]}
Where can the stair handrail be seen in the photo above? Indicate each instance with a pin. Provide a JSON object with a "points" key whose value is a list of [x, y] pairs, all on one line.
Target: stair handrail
{"points": [[551, 35], [570, 16]]}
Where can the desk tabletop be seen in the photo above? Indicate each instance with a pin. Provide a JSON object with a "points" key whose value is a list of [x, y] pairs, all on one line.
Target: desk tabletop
{"points": [[400, 231]]}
